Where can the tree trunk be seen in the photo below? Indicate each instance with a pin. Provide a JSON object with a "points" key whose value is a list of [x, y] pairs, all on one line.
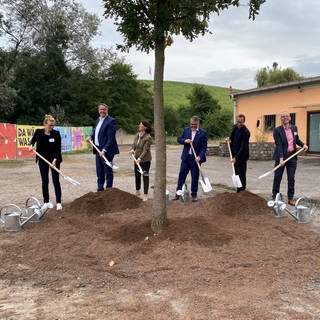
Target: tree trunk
{"points": [[159, 220]]}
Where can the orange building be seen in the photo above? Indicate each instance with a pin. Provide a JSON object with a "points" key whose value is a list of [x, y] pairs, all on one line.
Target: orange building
{"points": [[263, 106]]}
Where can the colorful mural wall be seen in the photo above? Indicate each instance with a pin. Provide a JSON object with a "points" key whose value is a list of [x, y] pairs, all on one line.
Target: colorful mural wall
{"points": [[15, 139]]}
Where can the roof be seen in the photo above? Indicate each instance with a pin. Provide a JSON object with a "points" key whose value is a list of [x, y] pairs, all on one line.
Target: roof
{"points": [[309, 82]]}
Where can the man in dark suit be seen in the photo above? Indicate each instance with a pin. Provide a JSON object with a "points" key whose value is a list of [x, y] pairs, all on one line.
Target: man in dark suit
{"points": [[239, 142], [286, 138], [104, 137], [199, 139]]}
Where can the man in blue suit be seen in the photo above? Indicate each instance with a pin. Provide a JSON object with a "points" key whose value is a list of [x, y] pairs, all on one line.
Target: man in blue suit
{"points": [[199, 140], [286, 138], [104, 137]]}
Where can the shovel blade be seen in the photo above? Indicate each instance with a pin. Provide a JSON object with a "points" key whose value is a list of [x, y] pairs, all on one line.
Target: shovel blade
{"points": [[236, 181], [140, 171], [205, 184], [72, 181]]}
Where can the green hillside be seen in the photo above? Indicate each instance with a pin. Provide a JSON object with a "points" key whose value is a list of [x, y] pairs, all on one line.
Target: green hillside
{"points": [[175, 93]]}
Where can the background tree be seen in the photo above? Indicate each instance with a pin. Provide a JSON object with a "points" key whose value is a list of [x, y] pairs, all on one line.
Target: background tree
{"points": [[148, 25], [214, 120], [275, 75], [7, 93], [47, 64], [129, 99], [29, 25]]}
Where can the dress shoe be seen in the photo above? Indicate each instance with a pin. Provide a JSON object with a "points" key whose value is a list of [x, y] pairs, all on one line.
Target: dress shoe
{"points": [[291, 202], [176, 197], [194, 199]]}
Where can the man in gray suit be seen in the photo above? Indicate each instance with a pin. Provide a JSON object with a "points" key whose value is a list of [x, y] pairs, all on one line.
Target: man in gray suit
{"points": [[286, 138]]}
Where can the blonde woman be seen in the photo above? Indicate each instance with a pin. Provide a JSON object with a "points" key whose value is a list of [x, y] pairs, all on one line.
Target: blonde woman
{"points": [[48, 144], [141, 150]]}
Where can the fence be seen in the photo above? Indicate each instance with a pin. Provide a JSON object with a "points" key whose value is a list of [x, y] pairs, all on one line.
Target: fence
{"points": [[15, 139]]}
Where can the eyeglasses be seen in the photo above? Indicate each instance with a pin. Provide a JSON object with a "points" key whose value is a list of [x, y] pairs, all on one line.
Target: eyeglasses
{"points": [[193, 124]]}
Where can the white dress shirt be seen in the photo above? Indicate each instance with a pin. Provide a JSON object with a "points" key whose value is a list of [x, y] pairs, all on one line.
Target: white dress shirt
{"points": [[96, 132]]}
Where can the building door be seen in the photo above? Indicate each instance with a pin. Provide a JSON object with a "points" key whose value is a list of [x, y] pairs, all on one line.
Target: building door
{"points": [[314, 131]]}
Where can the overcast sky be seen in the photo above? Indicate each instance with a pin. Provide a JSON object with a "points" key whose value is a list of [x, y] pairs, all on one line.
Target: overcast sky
{"points": [[285, 31]]}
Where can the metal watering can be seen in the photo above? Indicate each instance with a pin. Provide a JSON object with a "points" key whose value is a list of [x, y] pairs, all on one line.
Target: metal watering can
{"points": [[34, 211], [184, 194], [278, 206], [303, 209], [13, 217]]}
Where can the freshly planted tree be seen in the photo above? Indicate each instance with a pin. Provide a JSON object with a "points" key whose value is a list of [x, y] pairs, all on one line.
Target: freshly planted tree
{"points": [[149, 25]]}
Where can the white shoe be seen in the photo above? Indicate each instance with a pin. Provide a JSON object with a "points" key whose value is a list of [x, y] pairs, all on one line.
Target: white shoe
{"points": [[137, 193], [145, 197], [59, 206]]}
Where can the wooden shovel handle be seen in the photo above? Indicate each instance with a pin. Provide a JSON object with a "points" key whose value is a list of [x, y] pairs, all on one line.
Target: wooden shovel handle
{"points": [[195, 155], [137, 163], [48, 162], [293, 155], [230, 153]]}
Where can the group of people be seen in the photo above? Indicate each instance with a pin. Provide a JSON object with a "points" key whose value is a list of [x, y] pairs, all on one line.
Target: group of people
{"points": [[48, 145], [194, 140]]}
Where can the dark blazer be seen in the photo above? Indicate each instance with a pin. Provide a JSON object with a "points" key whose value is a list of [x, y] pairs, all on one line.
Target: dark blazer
{"points": [[242, 146], [281, 142], [199, 143], [48, 146], [107, 137]]}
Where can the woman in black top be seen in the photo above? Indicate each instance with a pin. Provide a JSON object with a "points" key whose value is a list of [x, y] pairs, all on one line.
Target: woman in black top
{"points": [[48, 144]]}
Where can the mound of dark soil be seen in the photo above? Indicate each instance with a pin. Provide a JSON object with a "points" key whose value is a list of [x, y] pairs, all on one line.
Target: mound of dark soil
{"points": [[110, 200]]}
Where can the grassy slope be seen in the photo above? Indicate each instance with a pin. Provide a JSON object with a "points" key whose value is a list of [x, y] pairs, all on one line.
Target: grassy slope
{"points": [[175, 93]]}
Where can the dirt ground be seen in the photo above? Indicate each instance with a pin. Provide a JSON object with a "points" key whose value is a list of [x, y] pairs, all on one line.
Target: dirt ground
{"points": [[224, 257]]}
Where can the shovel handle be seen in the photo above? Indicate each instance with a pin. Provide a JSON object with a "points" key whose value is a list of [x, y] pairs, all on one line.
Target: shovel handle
{"points": [[279, 165], [137, 163], [230, 153], [104, 157], [48, 162], [195, 155]]}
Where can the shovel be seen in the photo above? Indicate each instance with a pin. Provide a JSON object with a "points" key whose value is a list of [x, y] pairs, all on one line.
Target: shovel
{"points": [[108, 163], [72, 181], [235, 178], [279, 165], [204, 181], [139, 167]]}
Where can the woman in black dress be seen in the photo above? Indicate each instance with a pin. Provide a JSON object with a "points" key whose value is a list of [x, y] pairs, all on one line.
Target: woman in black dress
{"points": [[48, 144]]}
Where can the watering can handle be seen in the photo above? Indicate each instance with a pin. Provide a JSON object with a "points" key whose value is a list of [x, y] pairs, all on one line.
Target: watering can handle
{"points": [[9, 205], [35, 200]]}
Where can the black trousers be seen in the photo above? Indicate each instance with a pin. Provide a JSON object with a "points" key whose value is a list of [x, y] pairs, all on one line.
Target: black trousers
{"points": [[145, 166], [240, 168], [44, 171], [291, 167]]}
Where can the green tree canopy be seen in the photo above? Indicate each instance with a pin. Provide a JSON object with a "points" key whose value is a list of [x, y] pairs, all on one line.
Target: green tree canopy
{"points": [[275, 75]]}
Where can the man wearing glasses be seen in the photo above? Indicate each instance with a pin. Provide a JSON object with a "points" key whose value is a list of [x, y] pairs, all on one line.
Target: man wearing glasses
{"points": [[286, 138], [198, 137]]}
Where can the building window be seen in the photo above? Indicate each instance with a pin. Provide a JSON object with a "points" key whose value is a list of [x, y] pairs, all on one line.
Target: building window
{"points": [[269, 122], [293, 118]]}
